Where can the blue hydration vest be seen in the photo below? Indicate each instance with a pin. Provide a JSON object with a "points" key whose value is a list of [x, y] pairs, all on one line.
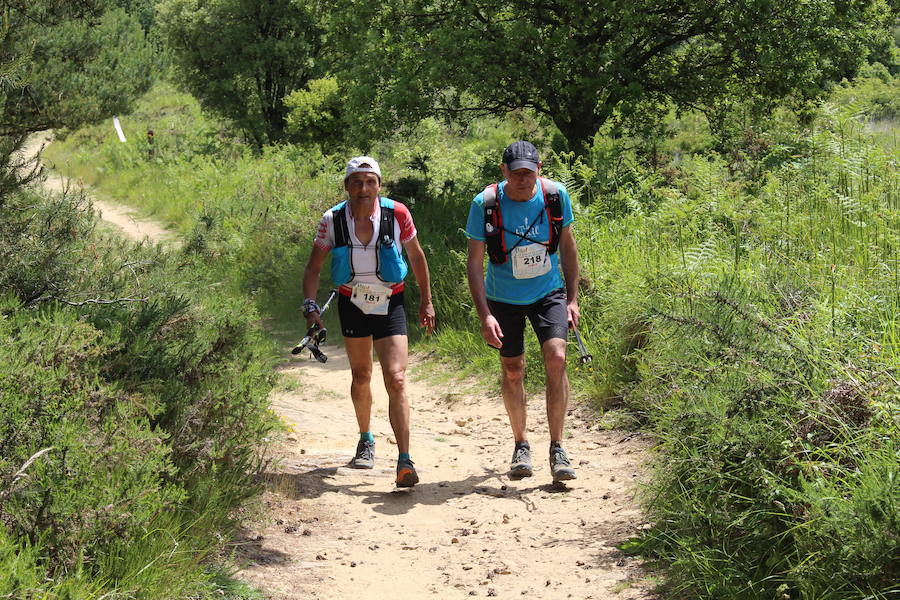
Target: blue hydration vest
{"points": [[390, 266]]}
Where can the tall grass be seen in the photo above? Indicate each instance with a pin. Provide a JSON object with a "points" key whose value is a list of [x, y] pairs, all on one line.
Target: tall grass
{"points": [[741, 304], [766, 373]]}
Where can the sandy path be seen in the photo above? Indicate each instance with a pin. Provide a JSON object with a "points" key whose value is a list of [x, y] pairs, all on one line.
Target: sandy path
{"points": [[330, 532], [466, 529], [123, 217]]}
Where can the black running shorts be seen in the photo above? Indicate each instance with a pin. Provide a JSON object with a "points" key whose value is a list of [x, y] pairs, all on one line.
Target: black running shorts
{"points": [[355, 324], [548, 316]]}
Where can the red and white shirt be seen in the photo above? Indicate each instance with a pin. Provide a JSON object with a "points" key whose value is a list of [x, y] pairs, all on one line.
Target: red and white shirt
{"points": [[363, 256]]}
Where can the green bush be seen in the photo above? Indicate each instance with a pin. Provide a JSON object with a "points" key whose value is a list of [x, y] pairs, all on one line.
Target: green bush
{"points": [[876, 95], [24, 574], [767, 371], [134, 394], [775, 477], [85, 433]]}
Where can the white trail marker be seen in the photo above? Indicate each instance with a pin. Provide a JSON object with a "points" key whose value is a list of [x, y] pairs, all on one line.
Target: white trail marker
{"points": [[118, 127]]}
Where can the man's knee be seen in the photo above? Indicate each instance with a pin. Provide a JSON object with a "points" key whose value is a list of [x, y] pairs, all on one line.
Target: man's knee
{"points": [[395, 380], [514, 370], [361, 375], [554, 358]]}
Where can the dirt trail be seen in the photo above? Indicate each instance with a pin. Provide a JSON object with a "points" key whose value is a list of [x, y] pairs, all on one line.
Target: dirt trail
{"points": [[466, 529], [330, 532], [123, 217]]}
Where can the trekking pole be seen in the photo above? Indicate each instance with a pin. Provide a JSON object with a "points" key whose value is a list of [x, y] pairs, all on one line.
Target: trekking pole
{"points": [[315, 335], [585, 356]]}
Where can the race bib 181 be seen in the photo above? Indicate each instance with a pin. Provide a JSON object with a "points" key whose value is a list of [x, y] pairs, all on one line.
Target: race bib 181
{"points": [[371, 298]]}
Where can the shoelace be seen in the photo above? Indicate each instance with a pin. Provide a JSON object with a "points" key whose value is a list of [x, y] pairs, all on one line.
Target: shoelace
{"points": [[560, 457], [521, 455]]}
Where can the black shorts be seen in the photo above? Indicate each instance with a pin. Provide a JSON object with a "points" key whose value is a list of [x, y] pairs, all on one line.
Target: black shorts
{"points": [[356, 324], [549, 319]]}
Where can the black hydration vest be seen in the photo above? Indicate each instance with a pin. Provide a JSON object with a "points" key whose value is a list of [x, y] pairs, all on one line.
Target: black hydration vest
{"points": [[493, 221]]}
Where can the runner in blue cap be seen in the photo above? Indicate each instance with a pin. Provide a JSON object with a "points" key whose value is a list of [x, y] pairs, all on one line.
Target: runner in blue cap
{"points": [[524, 224]]}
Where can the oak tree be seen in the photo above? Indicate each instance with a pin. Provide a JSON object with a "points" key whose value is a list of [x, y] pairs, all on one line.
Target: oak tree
{"points": [[582, 62]]}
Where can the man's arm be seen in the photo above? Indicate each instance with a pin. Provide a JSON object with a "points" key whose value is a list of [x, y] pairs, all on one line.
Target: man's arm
{"points": [[423, 278], [490, 329], [569, 260], [311, 281]]}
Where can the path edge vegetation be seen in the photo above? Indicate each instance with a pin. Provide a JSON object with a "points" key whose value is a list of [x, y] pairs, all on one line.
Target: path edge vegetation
{"points": [[740, 252], [740, 306]]}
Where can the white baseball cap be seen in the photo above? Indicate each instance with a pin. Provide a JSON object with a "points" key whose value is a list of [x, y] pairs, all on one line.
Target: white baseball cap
{"points": [[362, 164]]}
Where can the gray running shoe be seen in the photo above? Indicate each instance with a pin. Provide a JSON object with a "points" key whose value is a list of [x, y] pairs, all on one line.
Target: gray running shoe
{"points": [[365, 455], [560, 466], [520, 466], [406, 473]]}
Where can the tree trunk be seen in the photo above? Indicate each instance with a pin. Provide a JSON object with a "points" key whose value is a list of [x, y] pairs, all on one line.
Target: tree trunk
{"points": [[579, 133]]}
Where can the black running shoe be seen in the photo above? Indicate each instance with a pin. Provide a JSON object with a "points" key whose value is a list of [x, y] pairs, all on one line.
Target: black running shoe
{"points": [[365, 455], [406, 473], [560, 466], [520, 466]]}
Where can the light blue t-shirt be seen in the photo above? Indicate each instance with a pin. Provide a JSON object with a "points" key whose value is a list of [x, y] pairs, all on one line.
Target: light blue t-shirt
{"points": [[529, 219]]}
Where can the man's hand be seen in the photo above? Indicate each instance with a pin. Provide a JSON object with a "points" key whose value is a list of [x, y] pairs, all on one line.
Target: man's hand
{"points": [[491, 332], [573, 313], [314, 318], [426, 317]]}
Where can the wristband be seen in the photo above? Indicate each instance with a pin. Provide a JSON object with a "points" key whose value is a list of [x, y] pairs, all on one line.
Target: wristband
{"points": [[310, 306]]}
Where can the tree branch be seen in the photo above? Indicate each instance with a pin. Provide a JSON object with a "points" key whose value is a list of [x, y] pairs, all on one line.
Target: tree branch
{"points": [[21, 472], [84, 302]]}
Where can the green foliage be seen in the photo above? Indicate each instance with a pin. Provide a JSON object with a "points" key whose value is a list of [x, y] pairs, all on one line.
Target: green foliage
{"points": [[315, 114], [763, 287], [57, 68], [143, 10], [24, 574], [47, 260], [581, 65], [64, 70], [134, 395], [241, 58], [875, 95], [92, 432], [772, 479]]}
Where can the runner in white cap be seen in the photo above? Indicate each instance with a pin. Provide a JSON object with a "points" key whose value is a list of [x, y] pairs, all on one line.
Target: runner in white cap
{"points": [[366, 236]]}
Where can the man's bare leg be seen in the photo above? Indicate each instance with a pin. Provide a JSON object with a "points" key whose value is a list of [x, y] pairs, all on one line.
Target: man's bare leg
{"points": [[513, 386], [513, 389], [359, 354], [393, 354], [557, 385], [557, 389]]}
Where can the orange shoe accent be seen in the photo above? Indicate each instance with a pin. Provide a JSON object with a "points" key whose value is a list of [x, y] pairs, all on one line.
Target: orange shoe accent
{"points": [[407, 478]]}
